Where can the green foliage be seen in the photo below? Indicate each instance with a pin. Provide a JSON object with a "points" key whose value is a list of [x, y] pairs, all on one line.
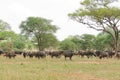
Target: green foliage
{"points": [[7, 35], [48, 40], [76, 40], [90, 4], [29, 45], [41, 29], [17, 41], [100, 15], [97, 14], [4, 26], [85, 41], [67, 44], [36, 26], [4, 46], [104, 42]]}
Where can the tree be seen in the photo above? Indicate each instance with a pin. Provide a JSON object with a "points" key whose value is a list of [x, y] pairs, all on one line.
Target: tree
{"points": [[29, 45], [103, 41], [7, 44], [12, 41], [7, 35], [19, 42], [49, 41], [67, 44], [83, 42], [99, 15], [87, 41], [39, 28], [4, 26], [77, 41]]}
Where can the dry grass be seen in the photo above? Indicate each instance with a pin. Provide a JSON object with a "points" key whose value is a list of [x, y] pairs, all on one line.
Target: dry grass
{"points": [[59, 69]]}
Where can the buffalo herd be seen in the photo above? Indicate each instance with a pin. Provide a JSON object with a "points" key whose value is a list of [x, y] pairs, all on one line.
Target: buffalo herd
{"points": [[57, 54]]}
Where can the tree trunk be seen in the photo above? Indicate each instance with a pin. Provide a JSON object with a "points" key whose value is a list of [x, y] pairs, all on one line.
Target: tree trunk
{"points": [[116, 44], [39, 47]]}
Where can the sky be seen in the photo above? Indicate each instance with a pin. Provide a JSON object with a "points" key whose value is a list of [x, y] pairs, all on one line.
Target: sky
{"points": [[15, 11]]}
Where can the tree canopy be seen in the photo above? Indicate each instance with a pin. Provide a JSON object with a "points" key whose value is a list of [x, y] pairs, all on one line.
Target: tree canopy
{"points": [[99, 15], [4, 26], [12, 41], [83, 42], [39, 28]]}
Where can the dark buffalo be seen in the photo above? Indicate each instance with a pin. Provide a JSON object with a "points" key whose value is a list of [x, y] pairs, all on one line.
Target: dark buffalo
{"points": [[1, 52], [111, 54], [40, 54], [88, 54], [30, 54], [56, 54], [25, 54], [68, 54], [18, 52], [97, 53], [81, 53], [10, 55], [103, 55]]}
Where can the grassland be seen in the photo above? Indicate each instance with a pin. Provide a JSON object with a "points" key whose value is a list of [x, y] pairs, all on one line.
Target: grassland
{"points": [[59, 69]]}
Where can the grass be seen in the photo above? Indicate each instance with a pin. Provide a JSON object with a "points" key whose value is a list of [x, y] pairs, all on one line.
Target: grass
{"points": [[59, 69]]}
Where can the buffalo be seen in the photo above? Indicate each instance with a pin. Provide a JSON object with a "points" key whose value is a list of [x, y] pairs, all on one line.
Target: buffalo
{"points": [[10, 55], [56, 54], [40, 54], [88, 54], [68, 54]]}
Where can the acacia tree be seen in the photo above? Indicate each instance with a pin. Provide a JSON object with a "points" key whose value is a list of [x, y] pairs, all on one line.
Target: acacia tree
{"points": [[99, 15], [48, 41], [38, 27]]}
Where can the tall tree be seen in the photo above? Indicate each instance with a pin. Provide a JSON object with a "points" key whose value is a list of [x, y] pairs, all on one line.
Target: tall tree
{"points": [[38, 27], [98, 14], [48, 41]]}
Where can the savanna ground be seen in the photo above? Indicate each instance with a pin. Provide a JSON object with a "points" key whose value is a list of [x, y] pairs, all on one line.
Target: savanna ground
{"points": [[59, 69]]}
